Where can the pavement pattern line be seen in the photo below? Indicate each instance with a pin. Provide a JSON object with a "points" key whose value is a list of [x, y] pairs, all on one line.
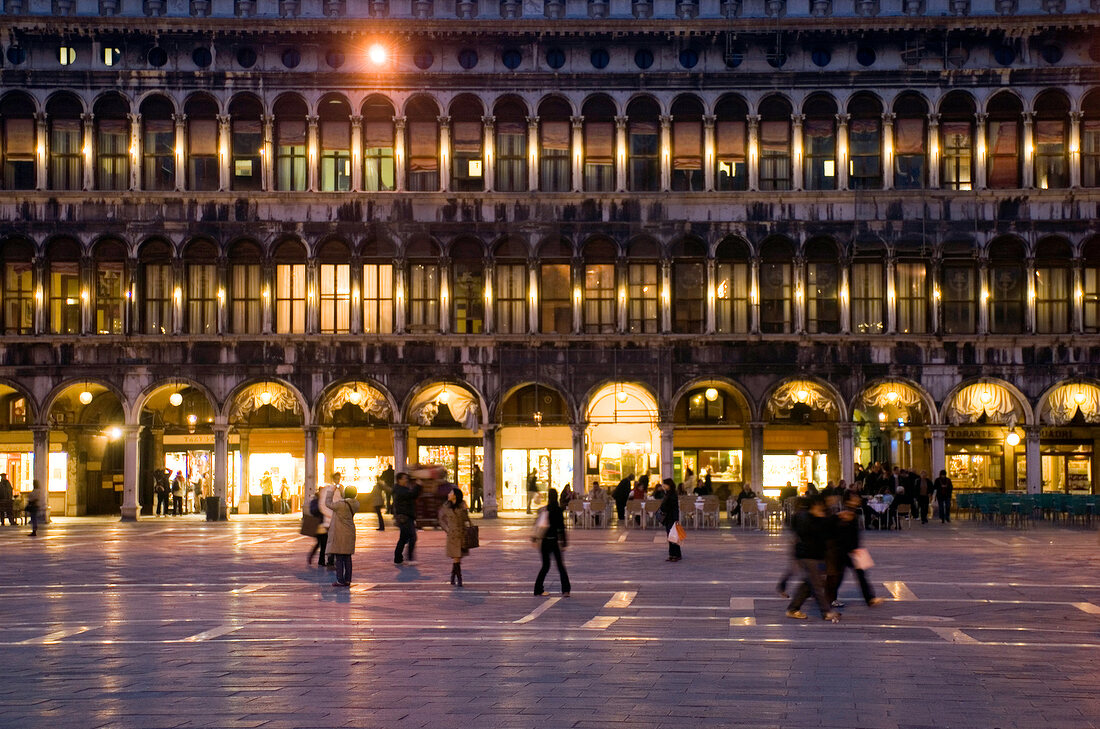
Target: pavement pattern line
{"points": [[621, 599], [254, 587], [56, 636], [538, 611], [954, 635], [900, 590], [742, 622], [743, 603], [214, 632], [600, 622], [1087, 607]]}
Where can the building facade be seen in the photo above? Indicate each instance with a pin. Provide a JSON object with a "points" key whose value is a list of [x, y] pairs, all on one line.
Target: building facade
{"points": [[764, 239]]}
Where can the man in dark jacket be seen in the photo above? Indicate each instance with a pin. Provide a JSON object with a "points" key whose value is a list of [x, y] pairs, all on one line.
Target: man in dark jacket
{"points": [[944, 487], [670, 508], [621, 494], [810, 530], [7, 500], [847, 535], [404, 515]]}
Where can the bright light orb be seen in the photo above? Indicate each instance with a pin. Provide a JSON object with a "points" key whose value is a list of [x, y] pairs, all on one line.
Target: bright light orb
{"points": [[892, 396], [986, 397], [1013, 439], [1079, 397], [711, 394], [621, 396], [192, 419], [114, 432], [443, 397], [265, 397], [354, 397], [176, 399], [803, 395], [86, 398], [377, 54]]}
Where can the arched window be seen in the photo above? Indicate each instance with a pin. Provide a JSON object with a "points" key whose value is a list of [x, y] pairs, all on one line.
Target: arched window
{"points": [[467, 133], [158, 147], [1090, 140], [687, 144], [291, 171], [643, 146], [16, 258], [334, 269], [246, 139], [599, 286], [422, 136], [733, 286], [599, 144], [377, 291], [245, 289], [378, 164], [1003, 141], [290, 287], [468, 286], [819, 143], [910, 142], [1007, 287], [822, 286], [423, 255], [510, 146], [776, 284], [1051, 133], [959, 290], [335, 121], [957, 141], [110, 282], [643, 287], [1090, 280], [868, 288], [731, 172], [112, 143], [63, 255], [201, 276], [202, 143], [689, 287], [155, 260], [18, 149], [775, 144], [66, 170], [911, 288], [555, 144], [555, 287], [510, 287], [1053, 286], [865, 143]]}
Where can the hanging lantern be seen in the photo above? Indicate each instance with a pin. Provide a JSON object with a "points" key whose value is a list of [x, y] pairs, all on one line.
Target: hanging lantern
{"points": [[175, 399], [444, 396], [711, 394], [355, 397], [86, 397]]}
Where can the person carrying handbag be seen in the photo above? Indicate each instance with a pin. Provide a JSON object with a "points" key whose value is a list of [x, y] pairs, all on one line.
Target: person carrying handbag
{"points": [[670, 508], [454, 517], [551, 542]]}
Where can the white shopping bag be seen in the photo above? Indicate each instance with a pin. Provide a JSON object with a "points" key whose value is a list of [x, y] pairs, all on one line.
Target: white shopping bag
{"points": [[676, 534], [861, 559]]}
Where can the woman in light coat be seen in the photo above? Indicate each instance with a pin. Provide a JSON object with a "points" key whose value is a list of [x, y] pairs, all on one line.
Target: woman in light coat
{"points": [[454, 517], [341, 534]]}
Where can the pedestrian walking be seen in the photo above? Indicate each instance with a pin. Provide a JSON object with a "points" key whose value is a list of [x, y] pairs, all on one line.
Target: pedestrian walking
{"points": [[177, 494], [944, 487], [327, 559], [404, 515], [378, 500], [799, 508], [852, 556], [552, 542], [160, 490], [267, 490], [621, 494], [31, 508], [7, 500], [454, 517], [316, 523], [532, 488], [810, 532], [477, 487], [670, 510], [925, 487], [341, 540]]}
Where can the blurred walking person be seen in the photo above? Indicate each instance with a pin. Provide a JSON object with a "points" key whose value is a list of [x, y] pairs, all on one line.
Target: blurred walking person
{"points": [[670, 508], [944, 487], [552, 542], [378, 500], [454, 517], [404, 515], [341, 539], [852, 556], [810, 532], [31, 509], [326, 495]]}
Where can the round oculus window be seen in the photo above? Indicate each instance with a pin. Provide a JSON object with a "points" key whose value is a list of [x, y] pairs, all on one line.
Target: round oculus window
{"points": [[511, 58], [600, 58], [423, 59], [555, 58], [202, 57], [643, 58], [291, 58], [689, 58], [467, 58], [246, 57]]}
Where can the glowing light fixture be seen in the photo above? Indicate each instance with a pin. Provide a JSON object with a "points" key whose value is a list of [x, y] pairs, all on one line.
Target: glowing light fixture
{"points": [[444, 396], [114, 432], [892, 396], [1013, 439], [882, 417], [175, 399], [711, 394], [803, 395], [192, 419], [621, 396], [1079, 397], [355, 397], [265, 396], [986, 397], [85, 397]]}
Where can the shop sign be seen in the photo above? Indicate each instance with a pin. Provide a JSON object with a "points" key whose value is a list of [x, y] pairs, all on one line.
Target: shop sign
{"points": [[976, 434], [197, 439], [1066, 434]]}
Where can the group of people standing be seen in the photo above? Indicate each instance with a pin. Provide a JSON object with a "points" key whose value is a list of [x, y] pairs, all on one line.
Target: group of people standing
{"points": [[176, 496], [907, 487], [7, 504]]}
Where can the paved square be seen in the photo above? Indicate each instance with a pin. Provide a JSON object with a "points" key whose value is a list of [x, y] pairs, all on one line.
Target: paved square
{"points": [[180, 623]]}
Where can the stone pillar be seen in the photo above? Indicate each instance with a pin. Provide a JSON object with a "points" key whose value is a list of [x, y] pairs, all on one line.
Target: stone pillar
{"points": [[356, 153], [533, 296], [131, 466], [313, 151], [891, 298], [41, 283], [399, 276], [490, 479], [41, 144], [242, 506], [1075, 149], [843, 151], [935, 273], [310, 471], [533, 153], [1030, 314], [933, 151], [179, 283], [983, 297], [445, 294], [221, 465], [845, 437], [181, 145], [665, 149], [267, 173], [87, 283], [577, 153], [981, 162], [799, 295], [267, 297], [756, 456], [355, 321], [313, 288], [1029, 153], [87, 153], [578, 313], [580, 470], [667, 430], [939, 450], [400, 447], [798, 155], [135, 151], [664, 301], [222, 310], [754, 296], [488, 152], [1078, 300], [1034, 459], [754, 151], [41, 436], [444, 153], [712, 284], [399, 153], [845, 300], [709, 151], [621, 294], [620, 153], [225, 151], [888, 151]]}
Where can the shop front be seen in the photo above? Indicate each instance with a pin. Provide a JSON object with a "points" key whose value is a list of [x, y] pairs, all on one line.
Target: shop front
{"points": [[457, 455], [1067, 456], [976, 458], [622, 436], [547, 450], [192, 455], [275, 456], [795, 457], [720, 453]]}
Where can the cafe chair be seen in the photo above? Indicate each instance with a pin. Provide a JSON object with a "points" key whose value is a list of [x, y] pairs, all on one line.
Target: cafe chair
{"points": [[750, 514], [635, 516], [905, 511]]}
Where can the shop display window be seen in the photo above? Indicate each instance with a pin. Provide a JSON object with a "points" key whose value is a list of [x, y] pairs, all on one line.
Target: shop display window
{"points": [[20, 470], [618, 460], [722, 465], [59, 472], [458, 460], [553, 467], [362, 473], [978, 467], [1065, 469], [797, 468]]}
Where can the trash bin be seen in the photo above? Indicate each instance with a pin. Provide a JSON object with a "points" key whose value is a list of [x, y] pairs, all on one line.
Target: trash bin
{"points": [[214, 510]]}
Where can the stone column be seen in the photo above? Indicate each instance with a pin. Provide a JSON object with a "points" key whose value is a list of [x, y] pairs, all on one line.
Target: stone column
{"points": [[181, 145], [891, 297], [709, 151], [533, 296], [267, 293], [221, 465], [444, 153], [754, 151], [622, 301], [490, 479], [135, 151], [179, 282], [577, 153], [267, 173], [888, 151], [666, 152], [664, 301], [756, 456], [41, 436], [131, 465], [1034, 459], [488, 296], [41, 284], [844, 152], [1030, 314], [356, 152], [933, 151], [1078, 301], [1029, 154], [399, 277], [939, 450], [355, 321], [1075, 149], [799, 295], [981, 163], [313, 151], [225, 151], [533, 153], [712, 284], [580, 464], [41, 145], [313, 290], [935, 273], [87, 153], [400, 447], [983, 297], [87, 284], [488, 152], [754, 296], [222, 311], [845, 300], [578, 314], [399, 153], [620, 153], [799, 152], [845, 437], [445, 324], [242, 506], [667, 430], [310, 471]]}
